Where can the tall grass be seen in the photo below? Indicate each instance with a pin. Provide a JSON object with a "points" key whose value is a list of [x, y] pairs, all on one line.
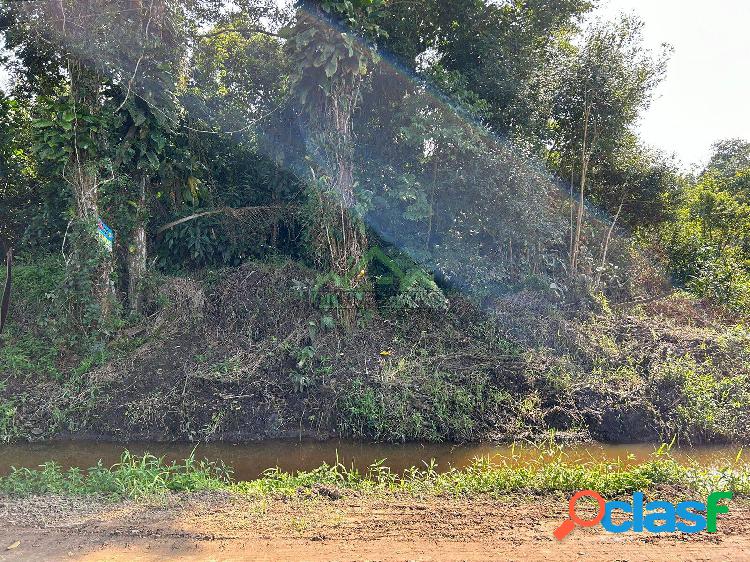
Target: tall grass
{"points": [[484, 477], [147, 475], [132, 477]]}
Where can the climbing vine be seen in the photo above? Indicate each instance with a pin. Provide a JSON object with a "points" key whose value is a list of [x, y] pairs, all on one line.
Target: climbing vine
{"points": [[332, 47]]}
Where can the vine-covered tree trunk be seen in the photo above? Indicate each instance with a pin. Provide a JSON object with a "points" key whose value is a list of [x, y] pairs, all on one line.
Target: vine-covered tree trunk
{"points": [[331, 65], [89, 258], [138, 255], [5, 298], [341, 240]]}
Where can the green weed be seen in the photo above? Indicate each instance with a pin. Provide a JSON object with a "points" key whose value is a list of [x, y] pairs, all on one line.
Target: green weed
{"points": [[27, 355], [705, 403], [7, 420], [483, 477], [552, 471], [414, 404], [36, 280], [132, 477]]}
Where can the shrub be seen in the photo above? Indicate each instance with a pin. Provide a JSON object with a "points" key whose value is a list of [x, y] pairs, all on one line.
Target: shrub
{"points": [[699, 403]]}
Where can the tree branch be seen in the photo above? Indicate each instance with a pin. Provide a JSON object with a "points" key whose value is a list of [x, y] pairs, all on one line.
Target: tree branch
{"points": [[240, 30], [228, 210]]}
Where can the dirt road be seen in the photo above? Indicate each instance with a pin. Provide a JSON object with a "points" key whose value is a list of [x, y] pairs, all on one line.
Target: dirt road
{"points": [[221, 526]]}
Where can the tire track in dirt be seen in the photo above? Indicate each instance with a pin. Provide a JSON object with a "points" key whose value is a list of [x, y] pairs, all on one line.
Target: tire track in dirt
{"points": [[222, 526]]}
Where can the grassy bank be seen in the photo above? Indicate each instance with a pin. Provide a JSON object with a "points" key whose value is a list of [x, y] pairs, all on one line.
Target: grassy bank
{"points": [[145, 476], [244, 354]]}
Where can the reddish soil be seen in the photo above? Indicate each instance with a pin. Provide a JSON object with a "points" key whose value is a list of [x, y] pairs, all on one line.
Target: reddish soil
{"points": [[220, 526]]}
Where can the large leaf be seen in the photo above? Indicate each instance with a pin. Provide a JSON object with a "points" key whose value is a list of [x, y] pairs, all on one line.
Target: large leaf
{"points": [[138, 117], [324, 55], [332, 67], [153, 159], [42, 124]]}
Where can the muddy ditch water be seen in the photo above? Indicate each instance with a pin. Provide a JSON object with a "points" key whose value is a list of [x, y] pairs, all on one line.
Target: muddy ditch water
{"points": [[249, 460]]}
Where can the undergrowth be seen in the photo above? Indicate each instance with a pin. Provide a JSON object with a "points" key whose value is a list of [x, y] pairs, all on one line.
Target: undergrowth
{"points": [[484, 477], [147, 475], [132, 477], [246, 354]]}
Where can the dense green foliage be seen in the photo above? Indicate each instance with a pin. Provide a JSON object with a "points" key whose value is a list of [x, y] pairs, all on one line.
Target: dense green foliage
{"points": [[709, 241], [458, 186], [123, 126]]}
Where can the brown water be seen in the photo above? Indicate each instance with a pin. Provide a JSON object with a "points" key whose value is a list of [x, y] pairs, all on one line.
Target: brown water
{"points": [[251, 459]]}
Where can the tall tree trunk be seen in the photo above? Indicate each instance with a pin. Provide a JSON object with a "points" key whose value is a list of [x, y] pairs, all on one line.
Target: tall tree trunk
{"points": [[85, 182], [431, 218], [138, 255], [341, 242], [607, 240], [5, 300], [585, 159], [572, 211]]}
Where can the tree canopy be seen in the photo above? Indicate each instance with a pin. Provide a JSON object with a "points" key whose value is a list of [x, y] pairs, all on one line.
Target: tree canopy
{"points": [[491, 145]]}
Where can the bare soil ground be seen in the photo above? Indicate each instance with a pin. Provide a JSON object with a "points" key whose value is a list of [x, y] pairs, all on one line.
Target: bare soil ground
{"points": [[222, 526]]}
